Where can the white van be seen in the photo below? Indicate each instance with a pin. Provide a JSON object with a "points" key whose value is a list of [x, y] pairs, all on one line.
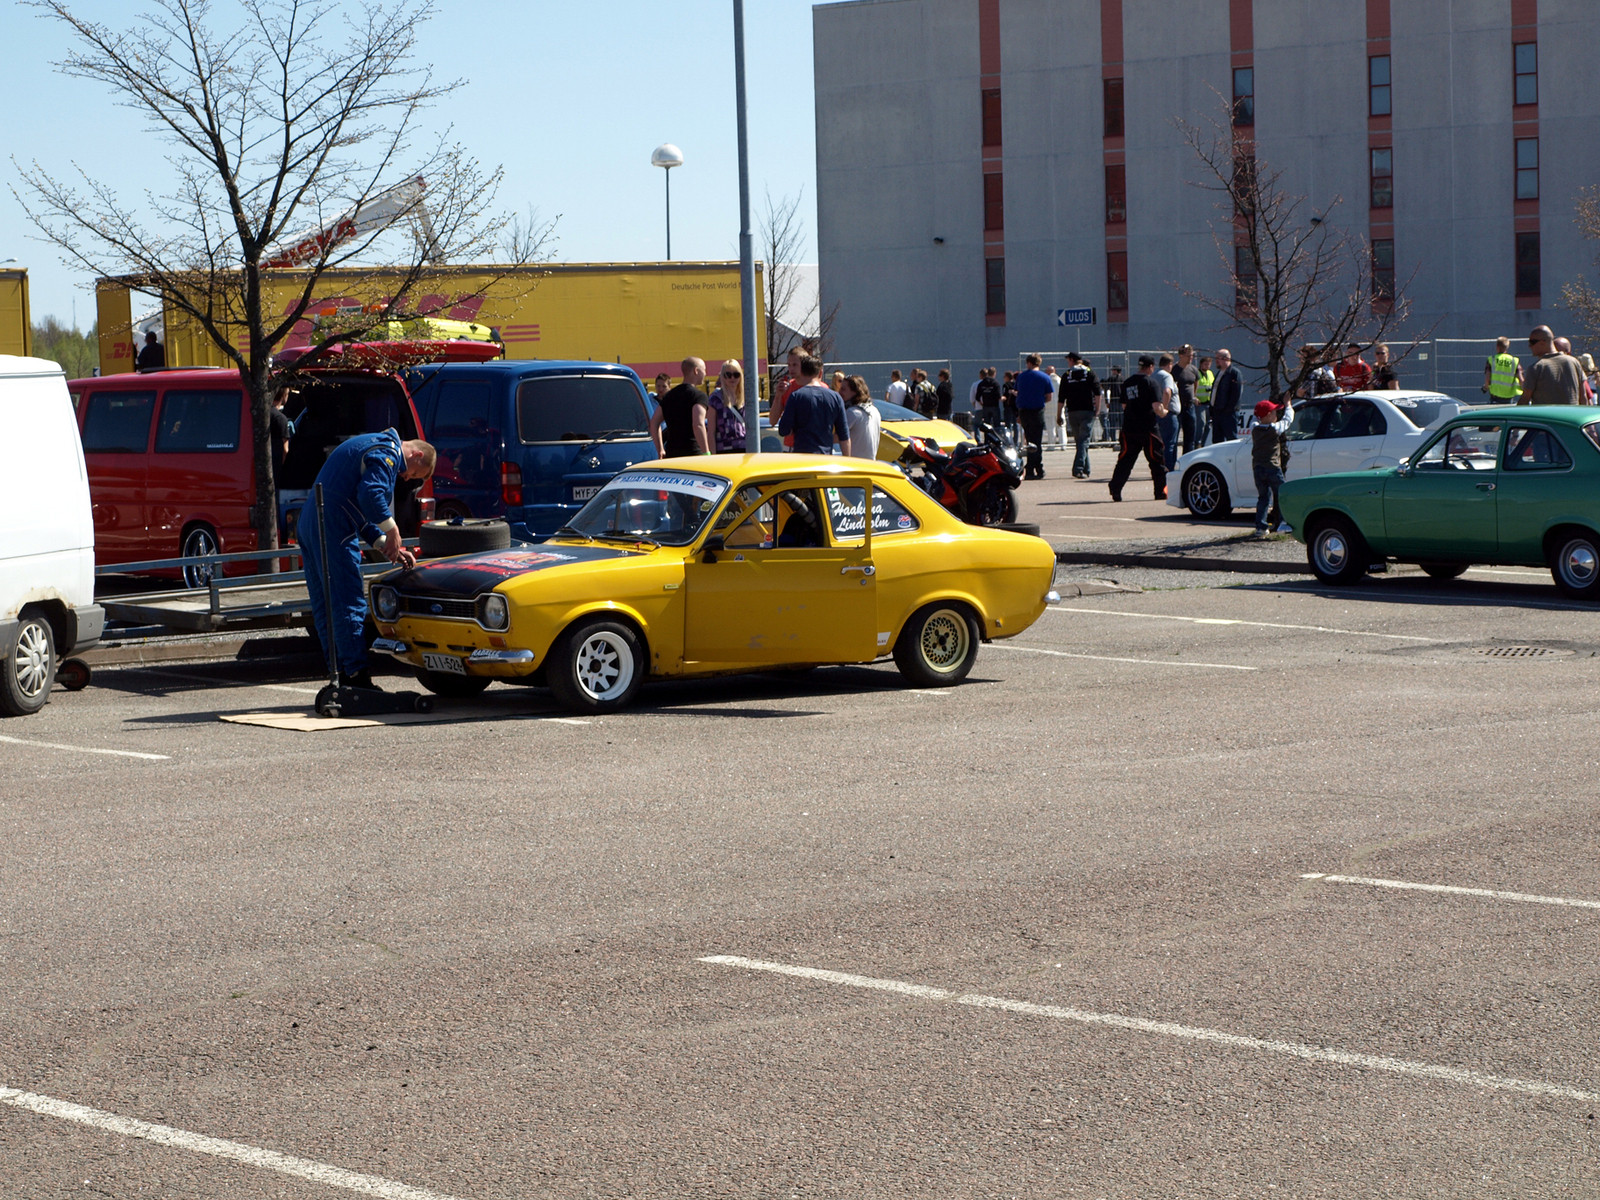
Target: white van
{"points": [[47, 608]]}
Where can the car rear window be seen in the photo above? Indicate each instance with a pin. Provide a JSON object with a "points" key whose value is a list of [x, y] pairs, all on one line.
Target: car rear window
{"points": [[118, 422], [847, 514], [1423, 411], [199, 423], [578, 408]]}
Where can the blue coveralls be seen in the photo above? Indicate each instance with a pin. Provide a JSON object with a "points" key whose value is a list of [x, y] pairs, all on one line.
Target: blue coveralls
{"points": [[358, 482]]}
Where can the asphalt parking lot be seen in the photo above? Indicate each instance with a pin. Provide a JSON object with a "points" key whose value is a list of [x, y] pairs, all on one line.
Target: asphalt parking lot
{"points": [[1127, 914]]}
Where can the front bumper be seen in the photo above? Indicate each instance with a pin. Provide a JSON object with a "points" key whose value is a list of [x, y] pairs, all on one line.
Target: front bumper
{"points": [[479, 657]]}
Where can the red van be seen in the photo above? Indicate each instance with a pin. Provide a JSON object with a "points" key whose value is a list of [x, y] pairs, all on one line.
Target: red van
{"points": [[171, 469]]}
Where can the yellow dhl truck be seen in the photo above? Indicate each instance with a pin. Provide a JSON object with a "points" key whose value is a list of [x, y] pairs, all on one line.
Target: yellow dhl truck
{"points": [[649, 316]]}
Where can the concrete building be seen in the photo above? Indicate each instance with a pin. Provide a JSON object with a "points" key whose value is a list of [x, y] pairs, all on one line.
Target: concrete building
{"points": [[982, 164]]}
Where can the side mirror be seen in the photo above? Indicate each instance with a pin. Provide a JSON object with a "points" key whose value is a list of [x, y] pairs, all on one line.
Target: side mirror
{"points": [[714, 545], [1403, 467]]}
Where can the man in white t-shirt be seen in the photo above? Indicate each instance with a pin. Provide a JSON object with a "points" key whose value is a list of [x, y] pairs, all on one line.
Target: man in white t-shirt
{"points": [[896, 393]]}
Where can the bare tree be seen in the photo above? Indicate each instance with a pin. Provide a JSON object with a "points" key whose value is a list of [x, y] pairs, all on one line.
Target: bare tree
{"points": [[291, 136], [782, 235], [1294, 277], [1579, 295]]}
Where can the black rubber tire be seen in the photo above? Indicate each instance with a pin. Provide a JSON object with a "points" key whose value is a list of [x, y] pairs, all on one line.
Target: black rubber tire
{"points": [[1027, 527], [584, 654], [995, 505], [1575, 563], [454, 687], [1337, 552], [29, 668], [73, 674], [200, 539], [442, 539], [938, 645], [1444, 570], [1205, 493]]}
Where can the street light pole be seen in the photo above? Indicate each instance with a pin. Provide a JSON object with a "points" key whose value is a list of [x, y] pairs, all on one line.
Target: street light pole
{"points": [[753, 374], [666, 156]]}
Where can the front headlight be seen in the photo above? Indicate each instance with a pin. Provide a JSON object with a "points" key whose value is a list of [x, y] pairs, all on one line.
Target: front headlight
{"points": [[496, 612], [385, 603]]}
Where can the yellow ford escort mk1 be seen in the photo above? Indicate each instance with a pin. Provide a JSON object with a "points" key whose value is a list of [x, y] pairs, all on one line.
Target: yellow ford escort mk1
{"points": [[719, 564]]}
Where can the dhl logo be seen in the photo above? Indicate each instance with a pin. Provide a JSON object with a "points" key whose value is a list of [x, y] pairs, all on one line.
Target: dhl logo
{"points": [[520, 333]]}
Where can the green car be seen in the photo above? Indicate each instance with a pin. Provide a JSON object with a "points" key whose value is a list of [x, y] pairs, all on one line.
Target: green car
{"points": [[1516, 486]]}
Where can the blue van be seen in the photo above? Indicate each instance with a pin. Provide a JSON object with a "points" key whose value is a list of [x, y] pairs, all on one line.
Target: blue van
{"points": [[527, 440]]}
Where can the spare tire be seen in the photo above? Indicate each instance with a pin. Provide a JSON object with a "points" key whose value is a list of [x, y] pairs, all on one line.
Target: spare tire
{"points": [[1027, 527], [463, 535]]}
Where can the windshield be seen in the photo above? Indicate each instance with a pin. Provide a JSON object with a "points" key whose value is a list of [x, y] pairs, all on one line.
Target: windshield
{"points": [[668, 507], [898, 412], [1423, 411]]}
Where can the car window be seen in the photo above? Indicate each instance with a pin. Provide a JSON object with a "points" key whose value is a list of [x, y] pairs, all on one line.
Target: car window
{"points": [[1534, 449], [664, 506], [462, 431], [579, 408], [461, 408], [791, 519], [1352, 418], [199, 423], [1423, 411], [1462, 448], [118, 422], [1307, 419], [847, 514]]}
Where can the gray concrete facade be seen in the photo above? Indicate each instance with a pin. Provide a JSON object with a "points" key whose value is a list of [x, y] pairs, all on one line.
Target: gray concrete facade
{"points": [[900, 164]]}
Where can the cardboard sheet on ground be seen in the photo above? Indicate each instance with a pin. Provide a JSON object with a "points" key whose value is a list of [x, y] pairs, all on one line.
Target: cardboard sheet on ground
{"points": [[492, 705]]}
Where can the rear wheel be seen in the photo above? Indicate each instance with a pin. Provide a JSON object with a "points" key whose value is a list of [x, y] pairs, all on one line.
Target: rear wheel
{"points": [[1440, 570], [1205, 492], [1575, 563], [938, 645], [996, 505], [452, 686], [202, 539], [1337, 552], [29, 667], [596, 666]]}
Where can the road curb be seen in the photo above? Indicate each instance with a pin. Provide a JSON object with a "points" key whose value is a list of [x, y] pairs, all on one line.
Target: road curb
{"points": [[1180, 562]]}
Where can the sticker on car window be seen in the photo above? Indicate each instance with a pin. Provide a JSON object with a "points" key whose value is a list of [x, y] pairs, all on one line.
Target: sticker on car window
{"points": [[672, 481]]}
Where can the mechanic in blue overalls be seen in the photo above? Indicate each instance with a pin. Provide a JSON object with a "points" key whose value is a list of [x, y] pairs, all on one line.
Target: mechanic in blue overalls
{"points": [[358, 483]]}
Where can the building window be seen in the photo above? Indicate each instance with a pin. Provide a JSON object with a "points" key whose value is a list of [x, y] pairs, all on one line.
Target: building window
{"points": [[1525, 57], [1527, 264], [1378, 99], [1117, 281], [1382, 177], [994, 201], [994, 270], [1527, 168], [1246, 283], [1116, 194], [1383, 270], [1244, 95], [991, 116], [1113, 96]]}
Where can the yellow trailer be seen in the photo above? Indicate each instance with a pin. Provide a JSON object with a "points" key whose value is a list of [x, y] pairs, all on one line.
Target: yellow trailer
{"points": [[16, 323], [649, 316]]}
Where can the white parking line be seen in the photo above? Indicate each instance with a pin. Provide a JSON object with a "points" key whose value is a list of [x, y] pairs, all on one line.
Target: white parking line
{"points": [[1150, 662], [1111, 612], [166, 1135], [1321, 1054], [284, 687], [1402, 885], [85, 749]]}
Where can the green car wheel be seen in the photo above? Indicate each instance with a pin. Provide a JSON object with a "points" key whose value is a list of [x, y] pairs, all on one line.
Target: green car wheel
{"points": [[1337, 552], [1575, 563]]}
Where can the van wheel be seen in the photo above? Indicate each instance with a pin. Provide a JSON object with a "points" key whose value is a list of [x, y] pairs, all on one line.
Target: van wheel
{"points": [[29, 668], [938, 645], [202, 539]]}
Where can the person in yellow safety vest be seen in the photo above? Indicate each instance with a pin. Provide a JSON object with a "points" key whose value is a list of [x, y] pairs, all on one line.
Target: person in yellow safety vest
{"points": [[1202, 401], [1502, 373]]}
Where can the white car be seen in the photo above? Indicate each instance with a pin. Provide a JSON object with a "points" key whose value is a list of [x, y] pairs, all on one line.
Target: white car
{"points": [[1345, 432]]}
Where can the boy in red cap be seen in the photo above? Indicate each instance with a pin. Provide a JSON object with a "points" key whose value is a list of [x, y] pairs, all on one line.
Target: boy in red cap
{"points": [[1269, 456]]}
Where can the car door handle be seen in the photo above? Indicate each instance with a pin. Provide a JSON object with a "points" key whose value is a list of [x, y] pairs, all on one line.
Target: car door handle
{"points": [[865, 569], [1486, 487]]}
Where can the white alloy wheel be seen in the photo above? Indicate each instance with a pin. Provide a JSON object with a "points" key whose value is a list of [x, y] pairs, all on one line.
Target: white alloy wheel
{"points": [[604, 665]]}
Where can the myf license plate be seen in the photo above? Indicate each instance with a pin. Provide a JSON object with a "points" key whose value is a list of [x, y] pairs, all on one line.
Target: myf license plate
{"points": [[585, 493], [445, 663]]}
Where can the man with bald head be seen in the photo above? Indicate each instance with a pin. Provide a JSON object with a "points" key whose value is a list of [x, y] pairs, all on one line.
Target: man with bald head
{"points": [[1554, 377], [683, 411]]}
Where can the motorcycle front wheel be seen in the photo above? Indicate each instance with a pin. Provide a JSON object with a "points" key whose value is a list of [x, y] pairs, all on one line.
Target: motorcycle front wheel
{"points": [[996, 504]]}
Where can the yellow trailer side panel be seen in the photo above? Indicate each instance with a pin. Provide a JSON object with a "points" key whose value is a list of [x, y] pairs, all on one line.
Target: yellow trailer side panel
{"points": [[16, 323]]}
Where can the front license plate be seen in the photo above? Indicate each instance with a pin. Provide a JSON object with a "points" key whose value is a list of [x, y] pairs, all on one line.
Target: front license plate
{"points": [[444, 663], [585, 493]]}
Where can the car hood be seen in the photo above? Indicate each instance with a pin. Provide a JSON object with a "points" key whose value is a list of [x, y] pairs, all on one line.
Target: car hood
{"points": [[473, 574]]}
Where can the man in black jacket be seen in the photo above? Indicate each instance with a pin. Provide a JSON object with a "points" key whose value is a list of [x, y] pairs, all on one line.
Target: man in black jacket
{"points": [[1225, 394], [1079, 398], [1139, 436]]}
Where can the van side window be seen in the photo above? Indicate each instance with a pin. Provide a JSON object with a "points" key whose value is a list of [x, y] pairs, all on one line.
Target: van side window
{"points": [[463, 434], [577, 408], [199, 423], [118, 422]]}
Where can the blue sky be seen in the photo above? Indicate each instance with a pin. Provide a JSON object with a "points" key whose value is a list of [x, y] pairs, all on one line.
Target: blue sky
{"points": [[569, 98]]}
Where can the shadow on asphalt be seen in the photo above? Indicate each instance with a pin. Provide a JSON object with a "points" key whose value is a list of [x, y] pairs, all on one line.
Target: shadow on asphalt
{"points": [[1418, 590]]}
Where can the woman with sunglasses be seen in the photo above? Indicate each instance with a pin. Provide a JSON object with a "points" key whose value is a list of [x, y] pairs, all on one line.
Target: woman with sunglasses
{"points": [[727, 409]]}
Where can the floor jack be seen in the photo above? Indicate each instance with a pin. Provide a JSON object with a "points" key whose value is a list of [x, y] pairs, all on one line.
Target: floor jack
{"points": [[341, 699]]}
